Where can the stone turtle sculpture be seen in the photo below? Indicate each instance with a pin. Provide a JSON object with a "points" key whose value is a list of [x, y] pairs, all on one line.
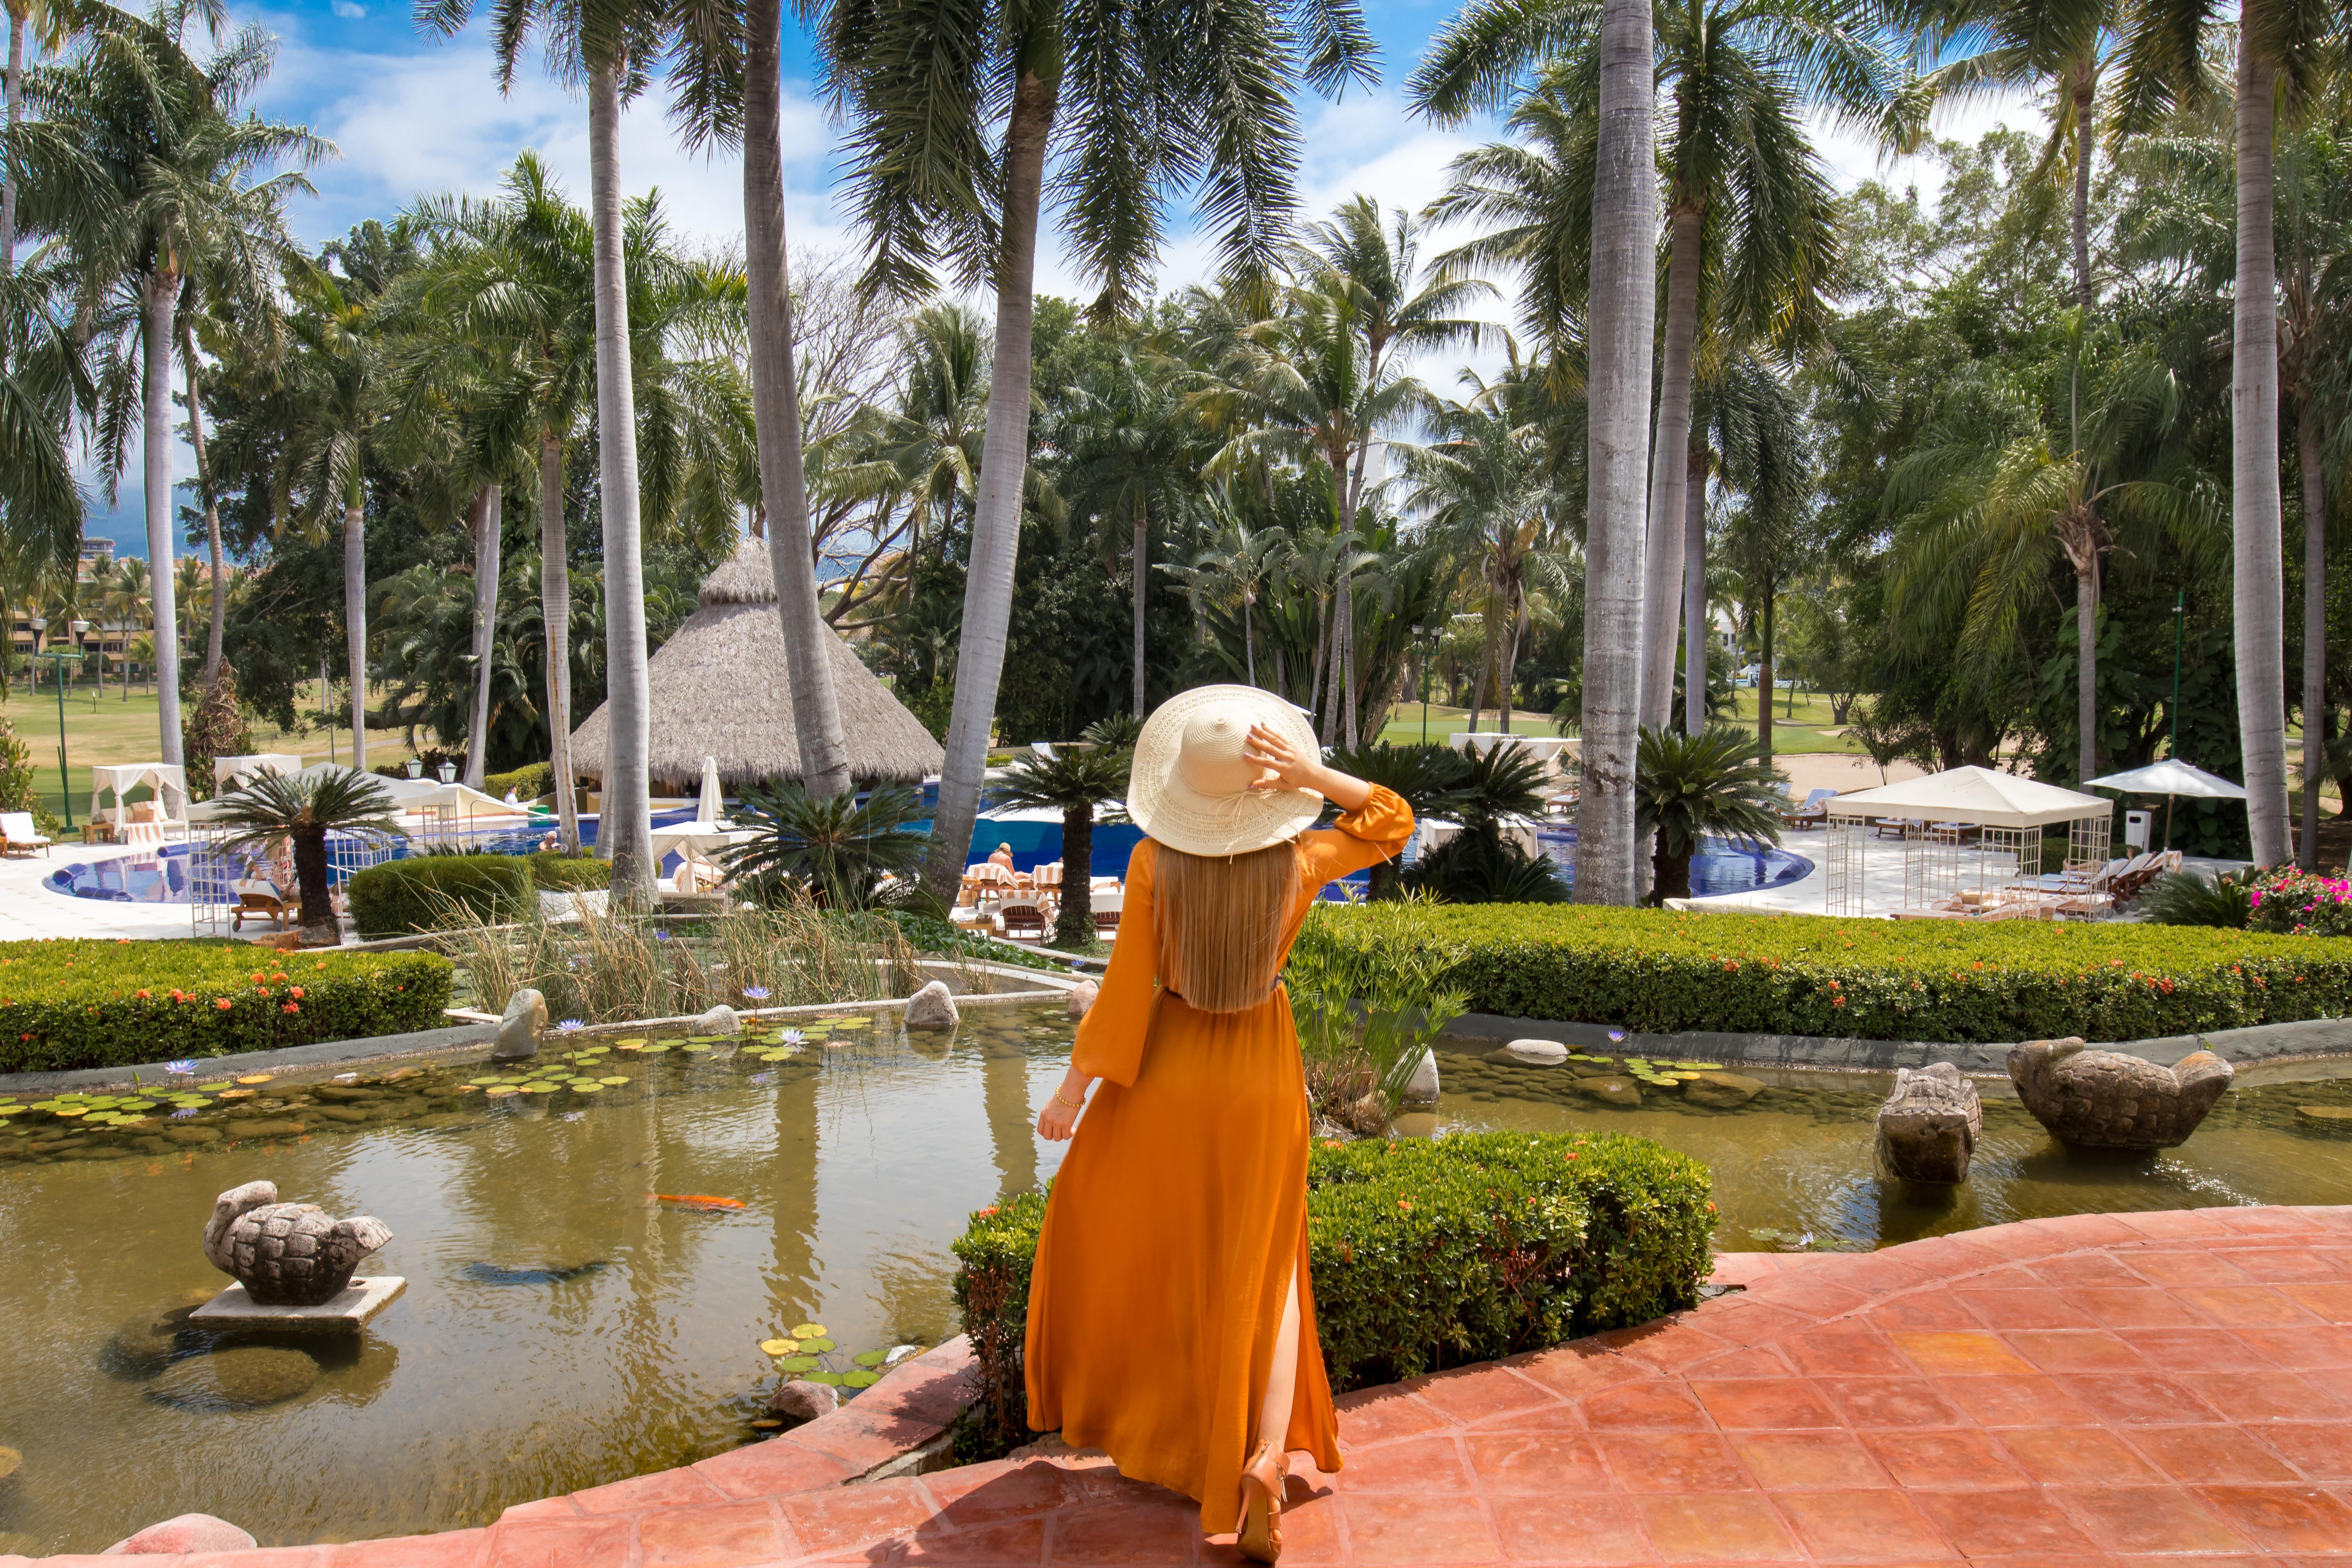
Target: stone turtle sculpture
{"points": [[286, 1255], [1929, 1128], [2104, 1100]]}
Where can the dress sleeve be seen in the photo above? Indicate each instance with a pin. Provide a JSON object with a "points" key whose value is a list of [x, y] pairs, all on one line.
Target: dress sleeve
{"points": [[1110, 1036], [1373, 832]]}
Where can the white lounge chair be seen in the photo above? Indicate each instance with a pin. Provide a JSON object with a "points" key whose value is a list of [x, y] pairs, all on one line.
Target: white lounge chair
{"points": [[18, 835]]}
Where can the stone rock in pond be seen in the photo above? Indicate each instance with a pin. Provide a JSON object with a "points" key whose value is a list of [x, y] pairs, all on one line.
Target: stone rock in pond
{"points": [[1422, 1089], [188, 1532], [286, 1255], [1721, 1091], [520, 1030], [2104, 1099], [1081, 997], [2324, 1118], [246, 1377], [1929, 1128], [145, 1344], [933, 1007], [719, 1020], [798, 1401], [1618, 1092], [1530, 1053]]}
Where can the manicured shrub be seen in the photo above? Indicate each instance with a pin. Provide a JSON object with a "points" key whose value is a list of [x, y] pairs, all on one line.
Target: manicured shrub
{"points": [[2301, 903], [556, 872], [1423, 1253], [427, 892], [91, 1004], [529, 782], [1919, 980]]}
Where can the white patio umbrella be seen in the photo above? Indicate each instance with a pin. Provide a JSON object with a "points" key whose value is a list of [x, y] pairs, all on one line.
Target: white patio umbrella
{"points": [[2170, 778], [713, 801]]}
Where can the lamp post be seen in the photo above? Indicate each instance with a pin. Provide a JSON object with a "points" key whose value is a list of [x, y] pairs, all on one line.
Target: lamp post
{"points": [[1419, 631], [65, 781]]}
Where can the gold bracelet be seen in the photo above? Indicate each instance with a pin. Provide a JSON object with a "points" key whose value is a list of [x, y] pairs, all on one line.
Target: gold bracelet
{"points": [[1078, 1104]]}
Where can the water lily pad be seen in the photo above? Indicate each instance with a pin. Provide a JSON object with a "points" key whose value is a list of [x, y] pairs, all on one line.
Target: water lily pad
{"points": [[860, 1378], [131, 1121], [138, 1105], [71, 1111], [870, 1358], [238, 1093], [654, 1051], [216, 1083], [834, 1378], [807, 1331], [587, 1086], [798, 1363], [483, 1082], [498, 1088], [101, 1118], [539, 1089], [779, 1347], [818, 1343], [632, 1042], [693, 1049], [255, 1077], [613, 1081]]}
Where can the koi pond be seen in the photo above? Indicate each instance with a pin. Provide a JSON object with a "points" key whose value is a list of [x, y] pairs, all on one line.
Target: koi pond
{"points": [[568, 1321]]}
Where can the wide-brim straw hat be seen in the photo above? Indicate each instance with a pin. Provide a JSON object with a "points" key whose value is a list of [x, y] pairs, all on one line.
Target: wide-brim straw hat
{"points": [[1189, 786]]}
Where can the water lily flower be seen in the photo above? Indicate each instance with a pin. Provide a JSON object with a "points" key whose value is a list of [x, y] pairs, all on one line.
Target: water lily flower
{"points": [[185, 1068], [570, 1026], [661, 936], [792, 1037], [182, 1114], [756, 993]]}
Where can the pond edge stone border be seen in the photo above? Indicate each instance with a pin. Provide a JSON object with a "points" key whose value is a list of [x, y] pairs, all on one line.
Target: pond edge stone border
{"points": [[2262, 1042]]}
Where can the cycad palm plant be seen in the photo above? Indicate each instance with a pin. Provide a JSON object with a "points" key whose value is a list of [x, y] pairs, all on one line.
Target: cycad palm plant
{"points": [[271, 808], [837, 849], [1074, 780], [1712, 785]]}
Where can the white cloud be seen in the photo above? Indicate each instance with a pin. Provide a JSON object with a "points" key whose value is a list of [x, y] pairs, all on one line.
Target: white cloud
{"points": [[349, 10]]}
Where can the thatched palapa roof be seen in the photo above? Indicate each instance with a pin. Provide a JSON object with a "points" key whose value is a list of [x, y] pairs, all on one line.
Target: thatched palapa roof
{"points": [[719, 688]]}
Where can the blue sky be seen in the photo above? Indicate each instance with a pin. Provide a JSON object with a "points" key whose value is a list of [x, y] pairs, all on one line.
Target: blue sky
{"points": [[414, 115]]}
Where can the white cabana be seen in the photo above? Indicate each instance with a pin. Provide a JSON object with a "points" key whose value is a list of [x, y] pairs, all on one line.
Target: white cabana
{"points": [[230, 772], [711, 804], [170, 783], [1972, 840]]}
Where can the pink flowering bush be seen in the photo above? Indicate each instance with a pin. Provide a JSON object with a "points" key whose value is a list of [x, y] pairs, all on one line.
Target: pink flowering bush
{"points": [[2301, 903]]}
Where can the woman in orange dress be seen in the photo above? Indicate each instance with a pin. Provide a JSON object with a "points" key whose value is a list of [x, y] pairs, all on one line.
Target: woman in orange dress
{"points": [[1172, 1323]]}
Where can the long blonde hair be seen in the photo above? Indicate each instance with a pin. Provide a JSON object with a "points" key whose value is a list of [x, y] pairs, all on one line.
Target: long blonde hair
{"points": [[1220, 920]]}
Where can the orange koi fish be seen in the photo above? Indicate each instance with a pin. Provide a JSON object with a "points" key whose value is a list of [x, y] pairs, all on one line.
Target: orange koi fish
{"points": [[697, 1200]]}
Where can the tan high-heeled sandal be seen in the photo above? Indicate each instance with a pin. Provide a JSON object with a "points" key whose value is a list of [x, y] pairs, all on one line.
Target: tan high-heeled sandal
{"points": [[1261, 1533]]}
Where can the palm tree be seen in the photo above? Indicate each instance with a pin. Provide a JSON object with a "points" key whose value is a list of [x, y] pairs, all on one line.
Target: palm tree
{"points": [[44, 387], [45, 28], [1716, 783], [2278, 45], [1486, 486], [1997, 492], [1752, 237], [1073, 780], [839, 849], [271, 809], [1428, 779], [952, 115], [1229, 571], [606, 46], [145, 167], [125, 602], [730, 68], [511, 284]]}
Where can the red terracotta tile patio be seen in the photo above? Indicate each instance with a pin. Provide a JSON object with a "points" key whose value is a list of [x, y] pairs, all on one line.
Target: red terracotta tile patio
{"points": [[2104, 1392]]}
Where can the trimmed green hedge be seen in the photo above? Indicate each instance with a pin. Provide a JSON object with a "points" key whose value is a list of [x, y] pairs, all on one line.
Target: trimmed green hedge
{"points": [[529, 782], [1913, 980], [429, 891], [93, 1003], [1424, 1253], [560, 873]]}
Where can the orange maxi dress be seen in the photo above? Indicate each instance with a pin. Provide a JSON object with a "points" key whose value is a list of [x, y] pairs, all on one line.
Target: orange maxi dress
{"points": [[1181, 1212]]}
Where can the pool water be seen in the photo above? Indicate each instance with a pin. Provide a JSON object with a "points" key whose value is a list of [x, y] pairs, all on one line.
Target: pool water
{"points": [[1721, 866], [564, 1327]]}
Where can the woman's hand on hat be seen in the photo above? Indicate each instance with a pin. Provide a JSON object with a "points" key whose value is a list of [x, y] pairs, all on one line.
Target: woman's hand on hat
{"points": [[1269, 751]]}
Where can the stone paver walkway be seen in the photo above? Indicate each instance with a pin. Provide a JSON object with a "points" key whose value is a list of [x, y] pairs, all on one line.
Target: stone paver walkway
{"points": [[2140, 1389]]}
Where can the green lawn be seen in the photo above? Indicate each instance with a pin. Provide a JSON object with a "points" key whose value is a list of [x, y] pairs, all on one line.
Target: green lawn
{"points": [[1801, 733], [102, 727], [1405, 724]]}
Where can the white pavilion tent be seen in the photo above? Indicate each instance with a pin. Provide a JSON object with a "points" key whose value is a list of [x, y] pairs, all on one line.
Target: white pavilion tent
{"points": [[1973, 830], [169, 782]]}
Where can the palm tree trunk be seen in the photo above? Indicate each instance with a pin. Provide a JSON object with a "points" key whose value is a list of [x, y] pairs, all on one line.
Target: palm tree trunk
{"points": [[1249, 641], [15, 89], [488, 508], [2086, 139], [1516, 619], [1620, 322], [555, 625], [996, 520], [319, 927], [1142, 564], [625, 827], [1074, 921], [212, 512], [1695, 627], [1764, 678], [2314, 623], [2087, 672], [2258, 590], [161, 298], [356, 615], [1670, 466], [776, 414]]}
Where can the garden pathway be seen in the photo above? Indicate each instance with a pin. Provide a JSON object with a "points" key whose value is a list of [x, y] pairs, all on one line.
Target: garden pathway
{"points": [[2128, 1389]]}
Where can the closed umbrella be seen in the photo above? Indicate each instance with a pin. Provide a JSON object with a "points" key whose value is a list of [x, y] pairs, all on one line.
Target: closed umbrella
{"points": [[712, 803], [2170, 778]]}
